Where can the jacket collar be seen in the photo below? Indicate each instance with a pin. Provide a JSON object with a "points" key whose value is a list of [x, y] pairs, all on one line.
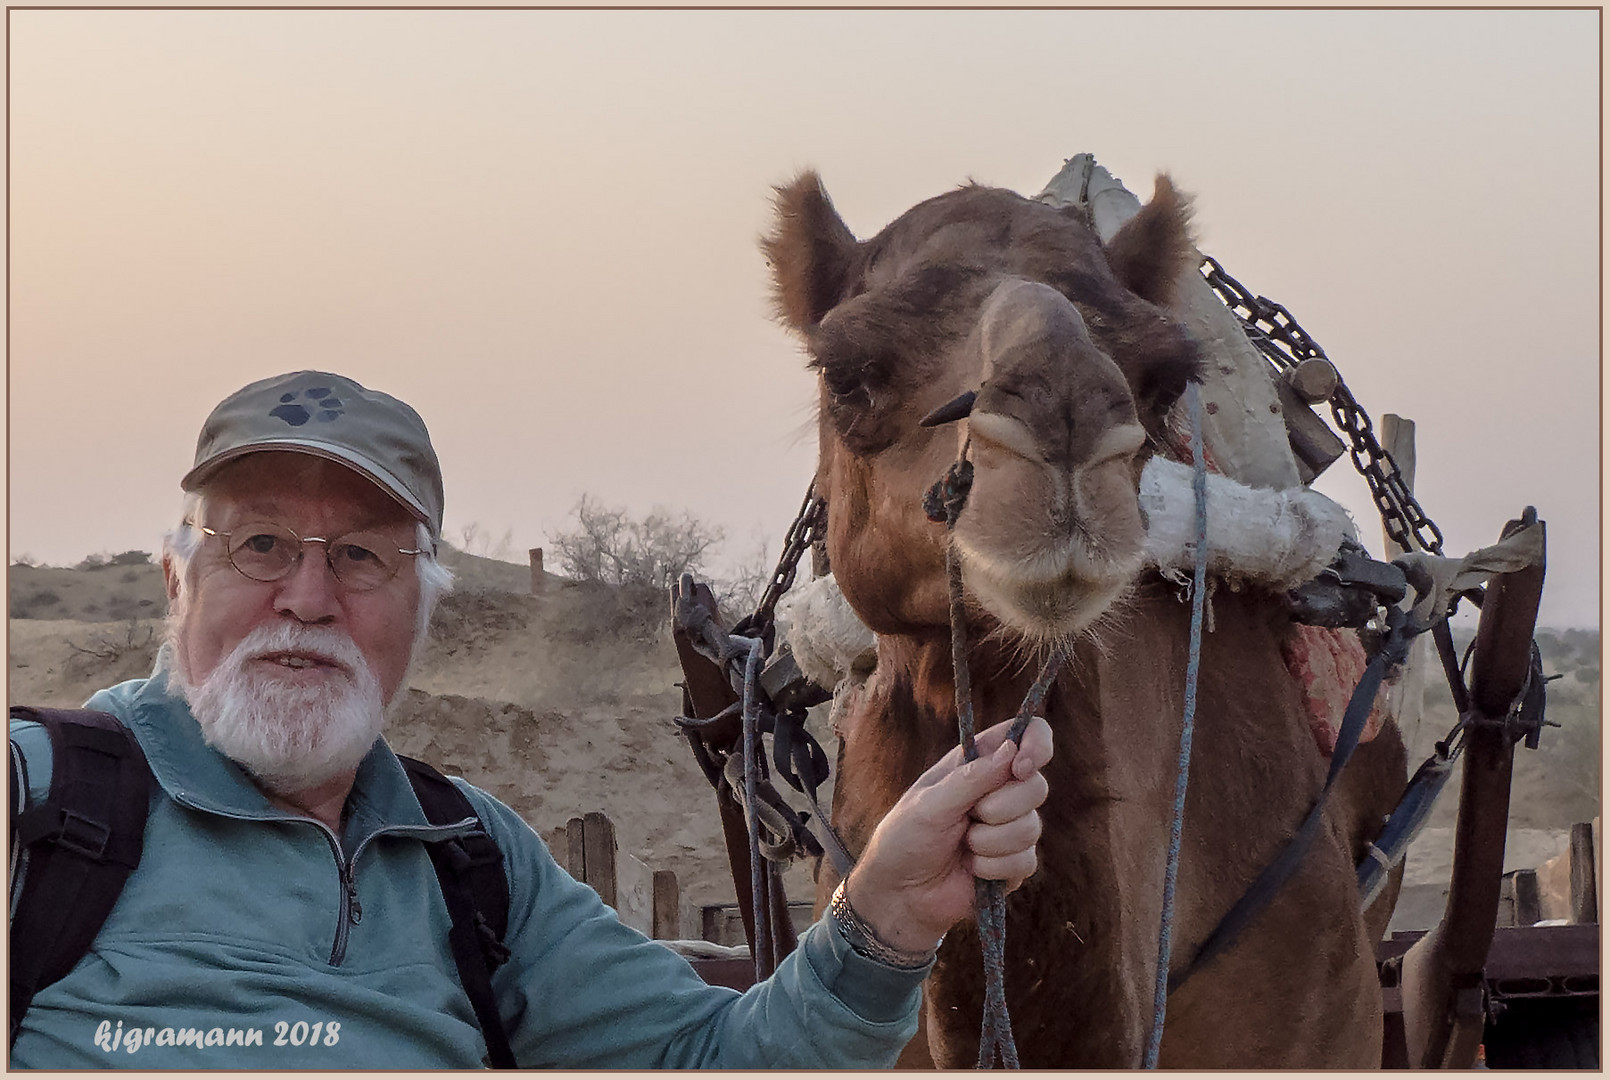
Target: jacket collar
{"points": [[196, 775]]}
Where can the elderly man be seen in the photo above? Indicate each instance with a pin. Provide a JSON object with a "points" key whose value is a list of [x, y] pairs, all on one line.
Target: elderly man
{"points": [[285, 886]]}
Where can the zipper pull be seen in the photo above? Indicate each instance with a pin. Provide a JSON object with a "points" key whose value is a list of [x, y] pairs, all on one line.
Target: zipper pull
{"points": [[354, 909]]}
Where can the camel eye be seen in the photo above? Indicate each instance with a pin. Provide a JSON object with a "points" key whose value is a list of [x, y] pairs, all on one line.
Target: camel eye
{"points": [[842, 380]]}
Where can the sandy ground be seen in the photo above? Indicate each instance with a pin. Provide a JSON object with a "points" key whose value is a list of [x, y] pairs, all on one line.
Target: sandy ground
{"points": [[561, 704]]}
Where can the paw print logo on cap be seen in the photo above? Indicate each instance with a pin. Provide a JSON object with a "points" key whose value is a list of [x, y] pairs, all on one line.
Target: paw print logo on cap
{"points": [[321, 405]]}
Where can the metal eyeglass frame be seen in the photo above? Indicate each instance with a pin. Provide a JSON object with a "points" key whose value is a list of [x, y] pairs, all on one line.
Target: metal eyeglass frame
{"points": [[301, 541]]}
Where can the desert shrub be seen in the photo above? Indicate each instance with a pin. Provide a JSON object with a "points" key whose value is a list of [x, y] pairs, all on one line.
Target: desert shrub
{"points": [[123, 606], [476, 540], [595, 614], [739, 593], [608, 547], [465, 618], [115, 654], [130, 558], [24, 560], [29, 605]]}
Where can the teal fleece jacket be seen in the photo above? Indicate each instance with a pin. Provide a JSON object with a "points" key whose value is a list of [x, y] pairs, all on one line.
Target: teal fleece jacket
{"points": [[249, 937]]}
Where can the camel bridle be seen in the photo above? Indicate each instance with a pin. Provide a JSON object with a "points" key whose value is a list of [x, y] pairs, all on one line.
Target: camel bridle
{"points": [[944, 502]]}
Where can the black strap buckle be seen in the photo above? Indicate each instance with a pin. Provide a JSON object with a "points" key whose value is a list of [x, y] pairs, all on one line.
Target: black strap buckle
{"points": [[83, 836]]}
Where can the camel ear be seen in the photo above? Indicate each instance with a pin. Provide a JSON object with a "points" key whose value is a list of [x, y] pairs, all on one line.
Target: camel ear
{"points": [[811, 252], [1152, 249]]}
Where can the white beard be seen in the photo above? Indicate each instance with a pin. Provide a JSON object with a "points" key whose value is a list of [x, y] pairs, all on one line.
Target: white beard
{"points": [[290, 738]]}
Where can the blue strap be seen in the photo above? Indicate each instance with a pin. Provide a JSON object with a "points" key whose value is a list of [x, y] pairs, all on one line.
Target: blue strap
{"points": [[1402, 825]]}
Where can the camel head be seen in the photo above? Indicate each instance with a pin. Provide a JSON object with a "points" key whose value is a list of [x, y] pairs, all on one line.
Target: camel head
{"points": [[1073, 364]]}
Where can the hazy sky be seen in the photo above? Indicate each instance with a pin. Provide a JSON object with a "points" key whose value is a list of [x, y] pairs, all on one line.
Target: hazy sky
{"points": [[539, 228]]}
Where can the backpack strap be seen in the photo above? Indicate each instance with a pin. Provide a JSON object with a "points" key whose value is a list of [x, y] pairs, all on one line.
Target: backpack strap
{"points": [[470, 870], [83, 841]]}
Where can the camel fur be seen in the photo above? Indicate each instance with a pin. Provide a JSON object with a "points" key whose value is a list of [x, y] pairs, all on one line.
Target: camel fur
{"points": [[1077, 362]]}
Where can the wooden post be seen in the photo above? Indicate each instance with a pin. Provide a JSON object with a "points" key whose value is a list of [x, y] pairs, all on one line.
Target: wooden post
{"points": [[1405, 700], [1584, 887], [1443, 1008], [576, 848], [598, 834], [536, 570], [589, 854], [667, 918], [1397, 439], [1528, 903]]}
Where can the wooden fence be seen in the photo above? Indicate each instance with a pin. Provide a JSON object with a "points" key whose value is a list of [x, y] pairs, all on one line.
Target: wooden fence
{"points": [[646, 899], [1563, 890]]}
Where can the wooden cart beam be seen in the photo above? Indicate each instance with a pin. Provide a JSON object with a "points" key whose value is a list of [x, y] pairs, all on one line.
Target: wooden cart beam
{"points": [[1442, 982]]}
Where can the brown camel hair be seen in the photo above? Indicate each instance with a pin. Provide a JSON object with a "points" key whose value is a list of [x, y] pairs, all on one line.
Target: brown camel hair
{"points": [[1077, 362]]}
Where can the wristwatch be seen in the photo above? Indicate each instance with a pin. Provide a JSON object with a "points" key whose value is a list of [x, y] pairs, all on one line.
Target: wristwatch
{"points": [[865, 942]]}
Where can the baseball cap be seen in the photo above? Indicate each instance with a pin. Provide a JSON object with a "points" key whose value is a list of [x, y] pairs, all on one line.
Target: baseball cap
{"points": [[329, 416]]}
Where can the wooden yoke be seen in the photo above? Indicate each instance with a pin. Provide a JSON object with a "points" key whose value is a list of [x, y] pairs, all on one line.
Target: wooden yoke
{"points": [[706, 694], [1443, 1008]]}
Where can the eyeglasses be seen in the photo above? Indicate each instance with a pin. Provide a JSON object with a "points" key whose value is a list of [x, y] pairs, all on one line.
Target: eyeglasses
{"points": [[361, 561]]}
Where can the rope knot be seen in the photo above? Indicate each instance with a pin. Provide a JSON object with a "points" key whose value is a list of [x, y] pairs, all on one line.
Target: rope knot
{"points": [[943, 502]]}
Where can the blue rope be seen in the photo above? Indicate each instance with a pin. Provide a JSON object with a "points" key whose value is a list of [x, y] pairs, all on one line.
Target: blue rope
{"points": [[1165, 931], [1394, 649], [759, 898]]}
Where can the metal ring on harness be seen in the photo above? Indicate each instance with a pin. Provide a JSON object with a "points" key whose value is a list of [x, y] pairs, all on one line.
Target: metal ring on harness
{"points": [[775, 831]]}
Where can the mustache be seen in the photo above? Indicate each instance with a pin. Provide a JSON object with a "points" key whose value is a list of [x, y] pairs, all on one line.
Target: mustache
{"points": [[289, 734], [323, 644]]}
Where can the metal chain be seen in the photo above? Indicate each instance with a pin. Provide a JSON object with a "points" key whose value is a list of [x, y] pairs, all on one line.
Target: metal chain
{"points": [[1285, 344], [810, 526]]}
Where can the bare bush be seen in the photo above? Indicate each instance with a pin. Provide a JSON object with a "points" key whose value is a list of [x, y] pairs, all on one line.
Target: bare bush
{"points": [[476, 540], [739, 593], [116, 655], [609, 547]]}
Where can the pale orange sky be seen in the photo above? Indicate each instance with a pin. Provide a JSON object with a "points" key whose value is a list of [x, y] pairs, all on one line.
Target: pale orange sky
{"points": [[538, 227]]}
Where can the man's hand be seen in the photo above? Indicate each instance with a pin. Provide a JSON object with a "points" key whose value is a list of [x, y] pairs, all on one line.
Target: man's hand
{"points": [[915, 879]]}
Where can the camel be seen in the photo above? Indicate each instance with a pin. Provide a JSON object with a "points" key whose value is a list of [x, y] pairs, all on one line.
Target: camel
{"points": [[1078, 365]]}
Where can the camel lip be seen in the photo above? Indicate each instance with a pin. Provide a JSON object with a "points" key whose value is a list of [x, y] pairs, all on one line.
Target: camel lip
{"points": [[1058, 596], [1073, 560], [1071, 570]]}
